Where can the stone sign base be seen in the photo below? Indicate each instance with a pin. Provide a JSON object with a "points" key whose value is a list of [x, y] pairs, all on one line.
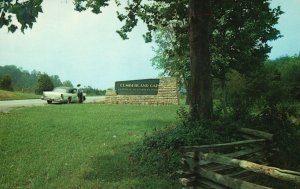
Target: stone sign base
{"points": [[167, 95]]}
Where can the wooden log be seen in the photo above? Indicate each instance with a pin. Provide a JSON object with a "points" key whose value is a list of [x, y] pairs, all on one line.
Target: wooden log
{"points": [[286, 175], [256, 133], [240, 153], [228, 181], [221, 146]]}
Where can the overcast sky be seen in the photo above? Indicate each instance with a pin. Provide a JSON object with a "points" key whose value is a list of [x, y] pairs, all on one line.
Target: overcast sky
{"points": [[84, 47]]}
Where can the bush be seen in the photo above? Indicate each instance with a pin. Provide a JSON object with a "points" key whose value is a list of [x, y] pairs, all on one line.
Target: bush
{"points": [[6, 83], [275, 119], [159, 152], [44, 84]]}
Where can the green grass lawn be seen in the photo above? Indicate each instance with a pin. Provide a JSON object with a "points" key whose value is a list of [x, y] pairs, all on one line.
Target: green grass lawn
{"points": [[8, 95], [78, 146]]}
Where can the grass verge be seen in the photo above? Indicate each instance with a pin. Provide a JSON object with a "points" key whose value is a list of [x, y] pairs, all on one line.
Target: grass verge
{"points": [[78, 146], [8, 95]]}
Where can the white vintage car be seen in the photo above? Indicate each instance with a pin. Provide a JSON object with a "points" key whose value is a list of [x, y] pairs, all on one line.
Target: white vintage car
{"points": [[64, 95]]}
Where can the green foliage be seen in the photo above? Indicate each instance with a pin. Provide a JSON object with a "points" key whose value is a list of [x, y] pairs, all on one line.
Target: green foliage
{"points": [[67, 83], [6, 83], [44, 84], [21, 79], [24, 81], [93, 92], [159, 152], [276, 82], [237, 98], [95, 5], [276, 119], [240, 35], [25, 13], [171, 57], [237, 42], [55, 80], [288, 69], [263, 100]]}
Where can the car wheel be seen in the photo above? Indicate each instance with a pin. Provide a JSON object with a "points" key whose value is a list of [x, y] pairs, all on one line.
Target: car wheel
{"points": [[49, 101], [69, 100]]}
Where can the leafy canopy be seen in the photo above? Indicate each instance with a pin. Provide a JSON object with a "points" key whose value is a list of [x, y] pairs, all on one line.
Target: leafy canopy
{"points": [[23, 12]]}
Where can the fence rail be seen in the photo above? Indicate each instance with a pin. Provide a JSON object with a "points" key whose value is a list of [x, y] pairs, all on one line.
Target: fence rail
{"points": [[209, 167]]}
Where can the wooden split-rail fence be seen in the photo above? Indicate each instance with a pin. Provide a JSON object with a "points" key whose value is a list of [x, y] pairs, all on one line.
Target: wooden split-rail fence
{"points": [[232, 165]]}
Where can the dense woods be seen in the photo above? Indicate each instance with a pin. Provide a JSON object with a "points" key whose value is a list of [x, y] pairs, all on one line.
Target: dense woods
{"points": [[13, 78], [23, 80]]}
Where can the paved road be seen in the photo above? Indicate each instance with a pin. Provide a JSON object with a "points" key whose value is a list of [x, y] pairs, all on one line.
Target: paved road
{"points": [[6, 106]]}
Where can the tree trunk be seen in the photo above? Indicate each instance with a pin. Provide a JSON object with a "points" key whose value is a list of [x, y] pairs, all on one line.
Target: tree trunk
{"points": [[201, 83], [224, 97]]}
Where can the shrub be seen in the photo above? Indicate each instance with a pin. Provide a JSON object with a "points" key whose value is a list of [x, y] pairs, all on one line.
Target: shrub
{"points": [[6, 83], [275, 119], [159, 152], [44, 84]]}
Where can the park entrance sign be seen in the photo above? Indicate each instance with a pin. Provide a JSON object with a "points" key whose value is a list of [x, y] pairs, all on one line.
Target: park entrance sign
{"points": [[161, 91], [137, 87]]}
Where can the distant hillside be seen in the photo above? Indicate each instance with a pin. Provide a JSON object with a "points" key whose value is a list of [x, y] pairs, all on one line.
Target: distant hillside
{"points": [[25, 81]]}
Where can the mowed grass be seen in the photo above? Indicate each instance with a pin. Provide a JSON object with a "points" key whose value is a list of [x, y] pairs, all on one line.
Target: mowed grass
{"points": [[8, 95], [78, 146]]}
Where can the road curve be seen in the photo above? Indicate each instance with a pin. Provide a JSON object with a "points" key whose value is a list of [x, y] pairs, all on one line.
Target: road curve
{"points": [[6, 106]]}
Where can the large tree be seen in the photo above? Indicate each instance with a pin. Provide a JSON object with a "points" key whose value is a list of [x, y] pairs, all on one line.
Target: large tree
{"points": [[239, 35], [201, 84]]}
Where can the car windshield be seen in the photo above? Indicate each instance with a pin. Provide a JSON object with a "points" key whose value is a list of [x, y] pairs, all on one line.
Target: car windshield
{"points": [[63, 90]]}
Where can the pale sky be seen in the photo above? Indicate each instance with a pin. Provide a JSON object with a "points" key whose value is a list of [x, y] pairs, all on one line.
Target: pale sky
{"points": [[289, 27], [84, 47]]}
